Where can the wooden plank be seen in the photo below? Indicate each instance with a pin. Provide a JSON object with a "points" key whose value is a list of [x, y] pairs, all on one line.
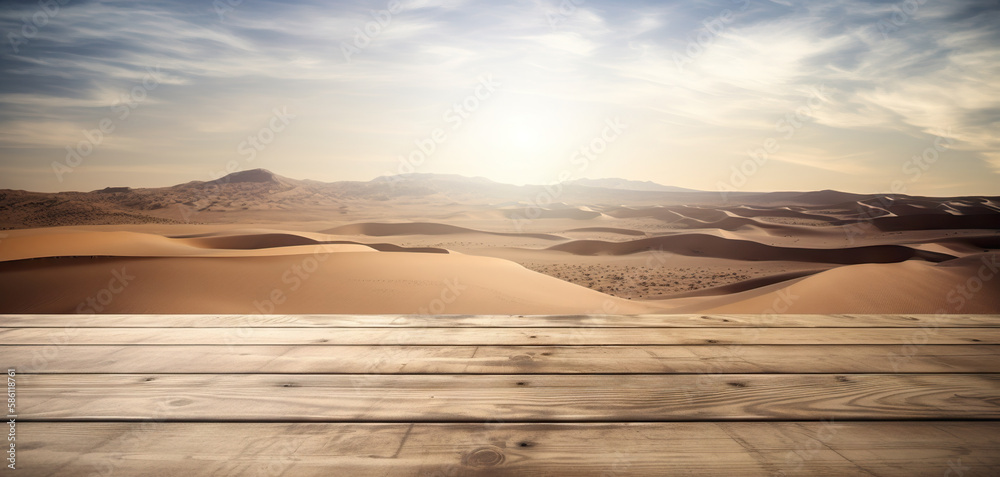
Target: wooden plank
{"points": [[496, 336], [532, 398], [501, 321], [503, 359], [619, 449]]}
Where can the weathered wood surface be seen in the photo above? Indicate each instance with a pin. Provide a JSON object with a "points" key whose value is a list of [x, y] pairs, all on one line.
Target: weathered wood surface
{"points": [[903, 449], [524, 398], [318, 395], [283, 359], [501, 321], [499, 336]]}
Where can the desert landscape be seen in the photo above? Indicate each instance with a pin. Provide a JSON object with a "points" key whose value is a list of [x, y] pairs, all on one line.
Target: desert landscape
{"points": [[449, 238], [256, 242]]}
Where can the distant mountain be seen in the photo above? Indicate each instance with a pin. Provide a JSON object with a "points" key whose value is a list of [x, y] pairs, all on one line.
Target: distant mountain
{"points": [[253, 178], [253, 175], [626, 184], [260, 195]]}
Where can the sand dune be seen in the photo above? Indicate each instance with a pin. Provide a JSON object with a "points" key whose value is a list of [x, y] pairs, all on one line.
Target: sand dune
{"points": [[658, 213], [278, 240], [728, 223], [692, 218], [971, 244], [745, 285], [240, 272], [387, 230], [251, 242], [347, 282], [534, 213], [700, 214], [131, 244], [380, 247], [610, 230], [966, 285], [752, 212], [937, 222], [812, 198], [713, 246]]}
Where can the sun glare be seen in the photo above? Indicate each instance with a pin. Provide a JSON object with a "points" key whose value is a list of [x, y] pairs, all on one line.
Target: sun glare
{"points": [[528, 132]]}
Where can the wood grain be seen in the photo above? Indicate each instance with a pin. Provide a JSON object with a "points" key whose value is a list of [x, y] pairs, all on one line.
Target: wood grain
{"points": [[525, 398], [498, 336], [902, 449], [318, 395], [501, 321], [503, 359]]}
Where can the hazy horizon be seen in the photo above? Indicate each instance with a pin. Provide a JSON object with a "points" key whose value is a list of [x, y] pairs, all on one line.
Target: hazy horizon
{"points": [[747, 190], [857, 96]]}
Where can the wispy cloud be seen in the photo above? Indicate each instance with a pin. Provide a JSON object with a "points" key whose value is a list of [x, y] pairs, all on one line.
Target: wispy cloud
{"points": [[701, 81]]}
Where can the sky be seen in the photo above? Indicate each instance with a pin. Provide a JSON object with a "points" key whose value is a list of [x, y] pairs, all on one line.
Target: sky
{"points": [[755, 95]]}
